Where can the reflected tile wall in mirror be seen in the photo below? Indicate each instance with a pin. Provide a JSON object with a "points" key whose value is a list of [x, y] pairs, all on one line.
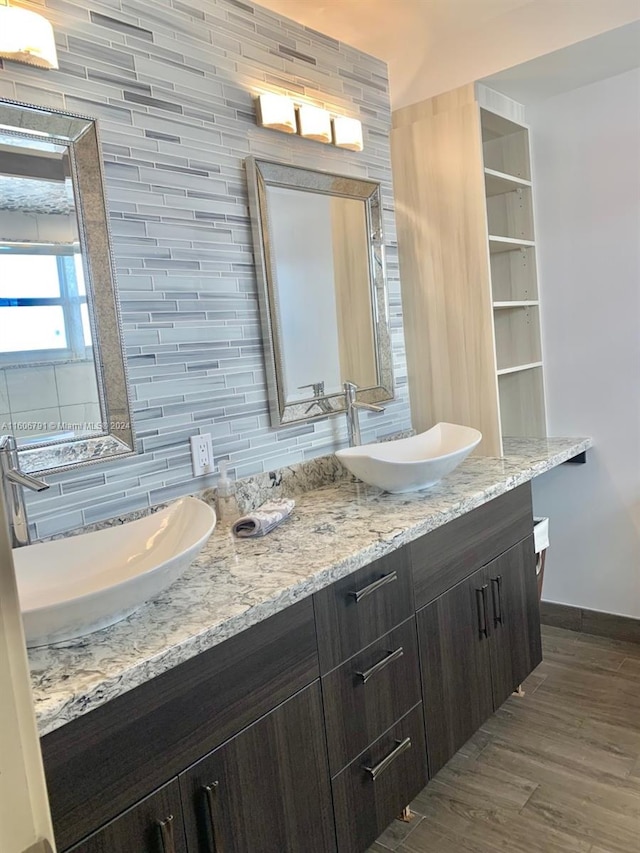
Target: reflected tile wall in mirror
{"points": [[172, 87]]}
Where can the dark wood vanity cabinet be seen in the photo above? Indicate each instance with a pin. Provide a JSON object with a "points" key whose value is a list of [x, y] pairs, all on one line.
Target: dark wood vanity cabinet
{"points": [[477, 642], [313, 729], [105, 761]]}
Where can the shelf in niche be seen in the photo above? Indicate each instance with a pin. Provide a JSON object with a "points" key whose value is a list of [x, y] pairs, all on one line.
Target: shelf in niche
{"points": [[522, 403], [519, 367], [495, 126], [507, 244], [523, 303], [497, 183]]}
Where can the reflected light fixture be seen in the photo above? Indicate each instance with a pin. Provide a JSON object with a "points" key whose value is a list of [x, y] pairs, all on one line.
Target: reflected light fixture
{"points": [[314, 123], [277, 112], [347, 133], [26, 36]]}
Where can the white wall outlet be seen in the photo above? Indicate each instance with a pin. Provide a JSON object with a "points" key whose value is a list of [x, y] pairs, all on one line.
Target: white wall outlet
{"points": [[202, 454]]}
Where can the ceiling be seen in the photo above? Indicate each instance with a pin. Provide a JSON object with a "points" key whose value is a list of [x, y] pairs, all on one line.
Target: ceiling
{"points": [[597, 58], [432, 46]]}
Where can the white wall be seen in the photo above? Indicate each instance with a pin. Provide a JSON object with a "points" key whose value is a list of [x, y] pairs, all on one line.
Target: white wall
{"points": [[25, 822], [586, 159]]}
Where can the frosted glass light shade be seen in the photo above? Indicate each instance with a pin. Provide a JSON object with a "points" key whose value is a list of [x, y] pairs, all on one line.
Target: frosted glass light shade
{"points": [[314, 123], [347, 133], [276, 112], [27, 37]]}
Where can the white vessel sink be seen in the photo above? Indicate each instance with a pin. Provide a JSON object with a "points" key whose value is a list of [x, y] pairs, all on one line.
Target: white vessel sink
{"points": [[411, 464], [71, 587]]}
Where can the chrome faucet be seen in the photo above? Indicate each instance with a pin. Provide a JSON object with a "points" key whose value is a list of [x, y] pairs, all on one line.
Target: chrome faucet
{"points": [[353, 410], [13, 481]]}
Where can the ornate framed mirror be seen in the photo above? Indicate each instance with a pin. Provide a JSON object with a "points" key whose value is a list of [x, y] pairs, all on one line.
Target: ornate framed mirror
{"points": [[63, 383], [321, 282]]}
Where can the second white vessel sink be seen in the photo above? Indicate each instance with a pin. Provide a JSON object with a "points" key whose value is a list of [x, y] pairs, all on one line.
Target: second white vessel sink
{"points": [[74, 586], [411, 464]]}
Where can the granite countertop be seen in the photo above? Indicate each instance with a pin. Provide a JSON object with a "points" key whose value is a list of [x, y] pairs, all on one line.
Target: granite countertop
{"points": [[234, 584]]}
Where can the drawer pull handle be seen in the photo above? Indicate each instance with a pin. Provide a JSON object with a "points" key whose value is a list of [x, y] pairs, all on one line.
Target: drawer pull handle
{"points": [[496, 589], [401, 746], [481, 599], [359, 594], [166, 834], [211, 791], [387, 659]]}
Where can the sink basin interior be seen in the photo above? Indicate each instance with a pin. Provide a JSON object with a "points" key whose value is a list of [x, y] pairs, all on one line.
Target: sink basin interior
{"points": [[73, 586], [412, 464]]}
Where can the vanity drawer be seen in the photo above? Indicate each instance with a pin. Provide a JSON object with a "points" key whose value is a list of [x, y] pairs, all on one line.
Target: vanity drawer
{"points": [[100, 763], [363, 805], [369, 692], [360, 608], [451, 553]]}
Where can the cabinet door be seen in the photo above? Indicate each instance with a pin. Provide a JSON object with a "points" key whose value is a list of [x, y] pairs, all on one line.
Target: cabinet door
{"points": [[154, 825], [453, 636], [267, 789], [516, 647]]}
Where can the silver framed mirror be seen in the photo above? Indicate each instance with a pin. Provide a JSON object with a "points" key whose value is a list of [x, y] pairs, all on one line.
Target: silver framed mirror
{"points": [[319, 255], [63, 381]]}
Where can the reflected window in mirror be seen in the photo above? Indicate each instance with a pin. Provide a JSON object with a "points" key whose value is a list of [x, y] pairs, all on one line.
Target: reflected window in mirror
{"points": [[43, 305]]}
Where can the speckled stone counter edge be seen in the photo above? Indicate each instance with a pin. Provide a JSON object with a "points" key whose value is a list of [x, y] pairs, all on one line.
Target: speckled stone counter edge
{"points": [[335, 530]]}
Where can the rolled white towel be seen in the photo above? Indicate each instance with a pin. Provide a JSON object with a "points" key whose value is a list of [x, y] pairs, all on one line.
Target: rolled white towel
{"points": [[263, 519]]}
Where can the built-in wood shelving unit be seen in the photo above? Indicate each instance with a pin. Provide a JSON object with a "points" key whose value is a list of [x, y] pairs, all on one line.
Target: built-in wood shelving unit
{"points": [[516, 320], [466, 239]]}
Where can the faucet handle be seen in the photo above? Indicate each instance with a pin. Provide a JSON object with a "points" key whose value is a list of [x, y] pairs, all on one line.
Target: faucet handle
{"points": [[350, 391], [10, 466], [318, 388]]}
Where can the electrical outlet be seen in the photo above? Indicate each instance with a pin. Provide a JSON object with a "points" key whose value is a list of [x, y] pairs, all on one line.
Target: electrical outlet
{"points": [[202, 454]]}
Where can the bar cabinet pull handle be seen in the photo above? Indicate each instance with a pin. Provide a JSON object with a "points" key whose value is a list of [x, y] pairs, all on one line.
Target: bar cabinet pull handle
{"points": [[359, 594], [212, 793], [166, 834], [481, 599], [386, 660], [400, 747], [496, 587]]}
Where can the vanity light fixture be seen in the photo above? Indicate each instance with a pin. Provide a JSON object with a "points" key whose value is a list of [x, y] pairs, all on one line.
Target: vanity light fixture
{"points": [[314, 123], [27, 37], [347, 133], [277, 112]]}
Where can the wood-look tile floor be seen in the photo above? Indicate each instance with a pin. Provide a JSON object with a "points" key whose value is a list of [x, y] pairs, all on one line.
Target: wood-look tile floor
{"points": [[556, 771]]}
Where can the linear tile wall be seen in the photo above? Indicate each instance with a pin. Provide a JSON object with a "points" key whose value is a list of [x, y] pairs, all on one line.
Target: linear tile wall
{"points": [[171, 83]]}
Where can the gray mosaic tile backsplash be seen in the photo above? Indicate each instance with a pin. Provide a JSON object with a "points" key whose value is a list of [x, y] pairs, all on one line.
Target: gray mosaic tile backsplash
{"points": [[172, 85]]}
